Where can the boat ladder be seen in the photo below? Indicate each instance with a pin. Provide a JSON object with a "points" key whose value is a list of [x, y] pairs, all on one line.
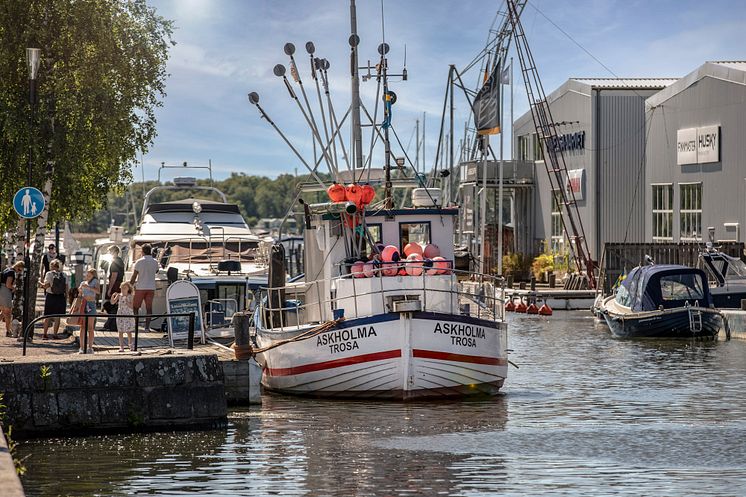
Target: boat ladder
{"points": [[695, 320]]}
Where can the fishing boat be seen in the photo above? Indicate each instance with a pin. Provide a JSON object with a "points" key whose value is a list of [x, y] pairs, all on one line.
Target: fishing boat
{"points": [[204, 241], [381, 311], [662, 301]]}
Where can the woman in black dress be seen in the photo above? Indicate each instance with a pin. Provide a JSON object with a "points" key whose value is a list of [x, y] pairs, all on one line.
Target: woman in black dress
{"points": [[55, 288]]}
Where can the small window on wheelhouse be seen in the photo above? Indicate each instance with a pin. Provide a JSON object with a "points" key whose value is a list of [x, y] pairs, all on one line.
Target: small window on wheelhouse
{"points": [[414, 233]]}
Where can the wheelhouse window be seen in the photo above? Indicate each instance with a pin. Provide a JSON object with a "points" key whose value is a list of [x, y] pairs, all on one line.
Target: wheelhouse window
{"points": [[414, 232], [690, 209], [682, 287], [663, 213]]}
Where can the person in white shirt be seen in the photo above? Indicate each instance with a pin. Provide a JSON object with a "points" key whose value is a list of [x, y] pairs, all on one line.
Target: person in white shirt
{"points": [[143, 277]]}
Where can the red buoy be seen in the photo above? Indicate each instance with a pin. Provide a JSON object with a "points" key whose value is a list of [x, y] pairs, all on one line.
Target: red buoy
{"points": [[521, 307], [510, 306], [532, 309], [545, 310]]}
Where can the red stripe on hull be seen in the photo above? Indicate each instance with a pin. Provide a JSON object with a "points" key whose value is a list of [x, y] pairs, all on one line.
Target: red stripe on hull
{"points": [[447, 356], [336, 363]]}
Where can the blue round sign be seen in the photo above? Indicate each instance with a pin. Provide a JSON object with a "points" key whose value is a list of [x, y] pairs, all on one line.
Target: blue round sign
{"points": [[28, 202]]}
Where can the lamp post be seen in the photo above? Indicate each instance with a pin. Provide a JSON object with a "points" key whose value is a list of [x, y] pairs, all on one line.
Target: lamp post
{"points": [[32, 60]]}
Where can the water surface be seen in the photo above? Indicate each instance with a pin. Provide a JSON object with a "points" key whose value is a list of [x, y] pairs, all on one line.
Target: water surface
{"points": [[584, 415]]}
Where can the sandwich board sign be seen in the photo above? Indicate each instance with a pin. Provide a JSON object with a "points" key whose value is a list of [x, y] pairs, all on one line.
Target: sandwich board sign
{"points": [[28, 202], [183, 297]]}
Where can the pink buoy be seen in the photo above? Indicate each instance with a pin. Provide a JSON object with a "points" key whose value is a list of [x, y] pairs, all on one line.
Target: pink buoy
{"points": [[390, 254], [357, 269], [440, 265], [412, 248], [368, 270], [390, 269], [430, 268], [431, 251], [414, 264]]}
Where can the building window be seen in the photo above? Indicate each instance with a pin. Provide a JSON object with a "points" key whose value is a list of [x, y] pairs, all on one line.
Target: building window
{"points": [[662, 213], [690, 211], [538, 148], [524, 147], [558, 234]]}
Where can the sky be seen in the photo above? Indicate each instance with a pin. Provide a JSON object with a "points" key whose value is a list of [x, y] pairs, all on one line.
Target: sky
{"points": [[227, 48]]}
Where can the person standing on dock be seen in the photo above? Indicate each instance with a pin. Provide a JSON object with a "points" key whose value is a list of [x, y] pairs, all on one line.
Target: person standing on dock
{"points": [[55, 290], [88, 291], [47, 259], [143, 277], [116, 276], [7, 286]]}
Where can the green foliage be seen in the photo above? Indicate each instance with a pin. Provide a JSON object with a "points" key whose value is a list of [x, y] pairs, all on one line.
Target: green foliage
{"points": [[542, 263], [45, 372], [102, 75], [516, 264]]}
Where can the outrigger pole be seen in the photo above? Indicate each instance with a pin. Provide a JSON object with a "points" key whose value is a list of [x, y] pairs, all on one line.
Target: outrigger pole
{"points": [[254, 100]]}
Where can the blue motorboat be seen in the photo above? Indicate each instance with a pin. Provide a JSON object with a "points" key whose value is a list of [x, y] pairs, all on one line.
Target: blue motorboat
{"points": [[662, 301]]}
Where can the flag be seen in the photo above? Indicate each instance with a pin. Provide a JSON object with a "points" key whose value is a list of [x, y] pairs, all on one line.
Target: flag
{"points": [[505, 76], [487, 105], [294, 71]]}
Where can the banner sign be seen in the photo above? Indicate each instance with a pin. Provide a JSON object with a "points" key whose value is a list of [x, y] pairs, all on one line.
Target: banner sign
{"points": [[576, 183], [487, 105], [698, 145]]}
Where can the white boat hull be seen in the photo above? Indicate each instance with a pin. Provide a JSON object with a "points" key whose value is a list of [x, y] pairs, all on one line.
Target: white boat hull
{"points": [[401, 356]]}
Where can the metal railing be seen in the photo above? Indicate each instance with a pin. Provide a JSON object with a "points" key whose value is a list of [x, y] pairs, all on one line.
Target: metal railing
{"points": [[84, 327], [485, 292]]}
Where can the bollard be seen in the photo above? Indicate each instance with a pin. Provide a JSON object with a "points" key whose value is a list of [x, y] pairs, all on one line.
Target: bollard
{"points": [[552, 280], [242, 347], [743, 304], [85, 333], [190, 337], [533, 283], [137, 329]]}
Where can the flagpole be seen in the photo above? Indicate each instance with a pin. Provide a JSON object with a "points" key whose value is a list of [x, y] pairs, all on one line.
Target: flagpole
{"points": [[483, 204], [513, 155], [500, 186]]}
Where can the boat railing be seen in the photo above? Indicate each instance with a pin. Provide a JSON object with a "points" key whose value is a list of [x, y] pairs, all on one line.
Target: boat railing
{"points": [[187, 248], [221, 311], [463, 293]]}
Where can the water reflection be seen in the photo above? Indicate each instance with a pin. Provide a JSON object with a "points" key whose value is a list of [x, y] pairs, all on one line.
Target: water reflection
{"points": [[584, 415]]}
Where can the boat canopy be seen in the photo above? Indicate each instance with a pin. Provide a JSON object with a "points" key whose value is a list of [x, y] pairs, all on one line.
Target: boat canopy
{"points": [[649, 288]]}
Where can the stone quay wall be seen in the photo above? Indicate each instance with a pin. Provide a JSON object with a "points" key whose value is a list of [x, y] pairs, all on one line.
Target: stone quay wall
{"points": [[90, 393]]}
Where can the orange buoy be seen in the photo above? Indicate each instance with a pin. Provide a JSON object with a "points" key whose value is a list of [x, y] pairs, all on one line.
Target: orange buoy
{"points": [[510, 306], [430, 251], [354, 194], [368, 194], [414, 264], [336, 192], [521, 307], [545, 310], [532, 309], [412, 248]]}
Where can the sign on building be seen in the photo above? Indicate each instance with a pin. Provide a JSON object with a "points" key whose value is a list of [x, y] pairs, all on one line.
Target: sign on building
{"points": [[698, 145], [576, 183]]}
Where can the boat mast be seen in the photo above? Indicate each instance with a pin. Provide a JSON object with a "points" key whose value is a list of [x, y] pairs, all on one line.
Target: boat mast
{"points": [[357, 137], [383, 49]]}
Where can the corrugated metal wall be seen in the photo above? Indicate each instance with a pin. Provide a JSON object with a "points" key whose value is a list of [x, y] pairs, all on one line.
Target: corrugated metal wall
{"points": [[709, 101], [619, 152]]}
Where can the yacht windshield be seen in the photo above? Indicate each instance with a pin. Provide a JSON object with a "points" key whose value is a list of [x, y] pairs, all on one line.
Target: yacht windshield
{"points": [[682, 287], [200, 251]]}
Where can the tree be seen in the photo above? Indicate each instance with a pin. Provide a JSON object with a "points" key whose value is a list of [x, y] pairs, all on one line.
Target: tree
{"points": [[102, 76]]}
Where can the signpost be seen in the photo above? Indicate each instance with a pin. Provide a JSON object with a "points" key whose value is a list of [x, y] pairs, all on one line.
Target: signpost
{"points": [[183, 297], [28, 202]]}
